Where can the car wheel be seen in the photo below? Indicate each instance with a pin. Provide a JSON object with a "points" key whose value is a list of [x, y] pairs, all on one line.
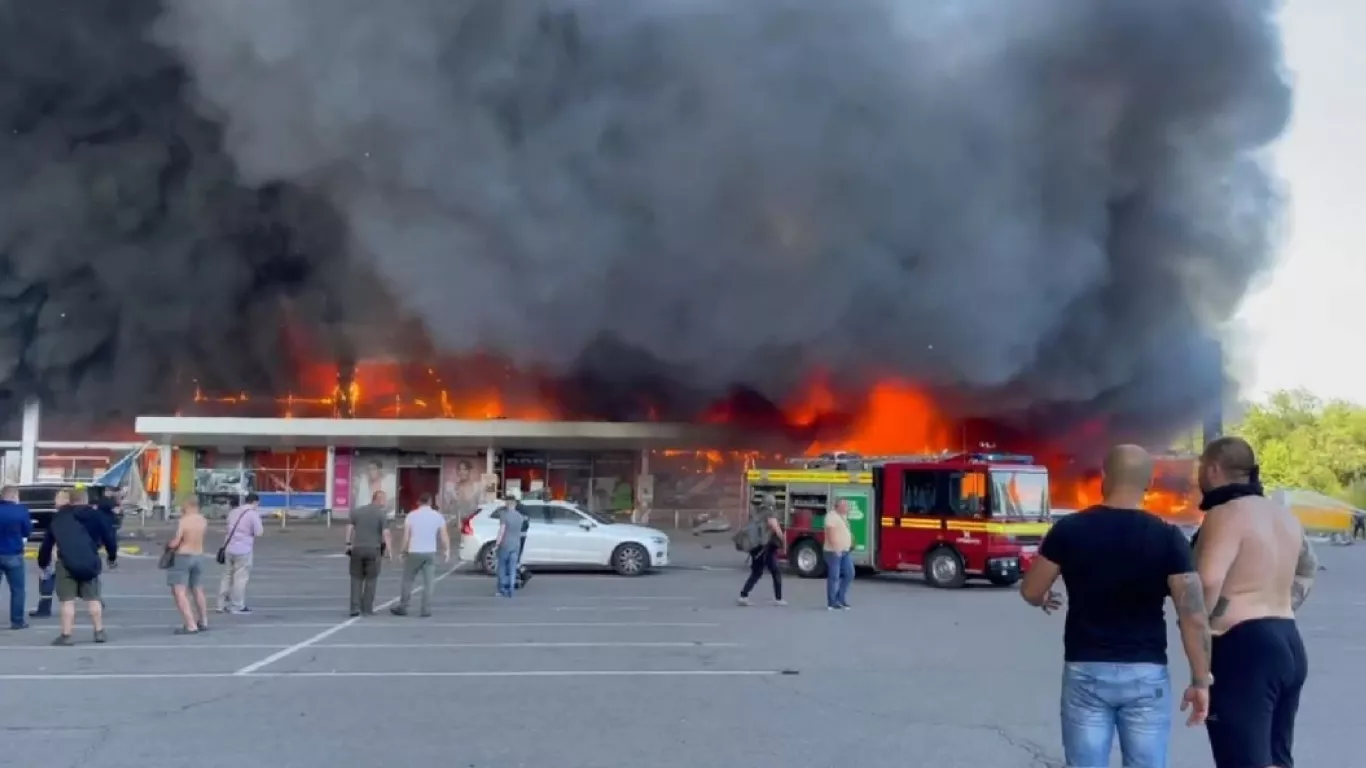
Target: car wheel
{"points": [[630, 559], [807, 560], [944, 569], [488, 561]]}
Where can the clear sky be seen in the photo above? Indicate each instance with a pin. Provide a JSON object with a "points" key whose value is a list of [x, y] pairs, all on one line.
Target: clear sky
{"points": [[1307, 325]]}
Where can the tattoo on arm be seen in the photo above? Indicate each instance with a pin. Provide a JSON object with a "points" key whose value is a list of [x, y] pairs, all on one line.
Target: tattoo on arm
{"points": [[1305, 570], [1308, 565], [1220, 608], [1189, 596]]}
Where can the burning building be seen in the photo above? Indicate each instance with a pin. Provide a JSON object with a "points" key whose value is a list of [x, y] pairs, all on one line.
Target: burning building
{"points": [[876, 225]]}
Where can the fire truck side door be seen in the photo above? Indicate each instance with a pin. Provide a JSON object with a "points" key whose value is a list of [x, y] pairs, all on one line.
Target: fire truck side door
{"points": [[916, 523]]}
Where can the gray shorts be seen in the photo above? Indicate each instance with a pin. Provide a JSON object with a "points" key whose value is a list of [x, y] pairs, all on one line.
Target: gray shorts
{"points": [[187, 571]]}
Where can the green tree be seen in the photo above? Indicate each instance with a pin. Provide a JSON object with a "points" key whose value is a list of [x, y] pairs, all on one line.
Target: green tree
{"points": [[1303, 441]]}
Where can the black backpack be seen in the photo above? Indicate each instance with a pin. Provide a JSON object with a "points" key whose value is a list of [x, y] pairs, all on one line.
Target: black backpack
{"points": [[75, 549]]}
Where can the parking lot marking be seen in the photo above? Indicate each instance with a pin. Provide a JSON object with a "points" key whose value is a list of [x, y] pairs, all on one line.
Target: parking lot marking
{"points": [[378, 623], [256, 595], [326, 633], [373, 646], [566, 673], [465, 605]]}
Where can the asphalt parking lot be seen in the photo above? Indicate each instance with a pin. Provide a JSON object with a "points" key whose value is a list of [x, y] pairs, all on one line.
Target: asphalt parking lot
{"points": [[588, 670]]}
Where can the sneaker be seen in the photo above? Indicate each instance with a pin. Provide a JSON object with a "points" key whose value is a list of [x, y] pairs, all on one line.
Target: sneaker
{"points": [[399, 610], [742, 601], [20, 625], [780, 602], [239, 611], [832, 607], [203, 626], [186, 631], [63, 640], [37, 614], [100, 637], [354, 614], [844, 606]]}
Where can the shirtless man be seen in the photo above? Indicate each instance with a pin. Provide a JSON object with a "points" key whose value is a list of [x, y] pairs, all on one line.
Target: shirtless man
{"points": [[1257, 568], [185, 577]]}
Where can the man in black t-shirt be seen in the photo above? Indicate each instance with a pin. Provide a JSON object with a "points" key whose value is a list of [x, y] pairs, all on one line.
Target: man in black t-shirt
{"points": [[1119, 565]]}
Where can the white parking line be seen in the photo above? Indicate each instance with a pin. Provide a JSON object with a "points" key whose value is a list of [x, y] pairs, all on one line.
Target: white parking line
{"points": [[255, 596], [364, 646], [378, 623], [466, 607], [326, 633], [566, 673]]}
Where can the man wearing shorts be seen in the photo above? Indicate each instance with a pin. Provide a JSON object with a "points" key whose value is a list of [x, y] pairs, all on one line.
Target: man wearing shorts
{"points": [[185, 577], [69, 542], [1257, 568]]}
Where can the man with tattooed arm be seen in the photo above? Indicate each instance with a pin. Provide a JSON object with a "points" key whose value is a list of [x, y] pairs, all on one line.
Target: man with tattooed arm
{"points": [[1257, 568], [1120, 564]]}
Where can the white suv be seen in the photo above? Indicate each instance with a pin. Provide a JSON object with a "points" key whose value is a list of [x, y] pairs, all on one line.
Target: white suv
{"points": [[565, 534]]}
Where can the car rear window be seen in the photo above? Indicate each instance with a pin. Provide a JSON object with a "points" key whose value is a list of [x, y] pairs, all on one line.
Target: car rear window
{"points": [[38, 497]]}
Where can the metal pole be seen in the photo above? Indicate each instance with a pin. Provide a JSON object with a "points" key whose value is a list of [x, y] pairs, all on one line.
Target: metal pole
{"points": [[330, 477], [165, 452], [28, 442]]}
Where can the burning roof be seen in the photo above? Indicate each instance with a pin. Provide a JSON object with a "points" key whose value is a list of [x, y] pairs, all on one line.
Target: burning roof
{"points": [[811, 215]]}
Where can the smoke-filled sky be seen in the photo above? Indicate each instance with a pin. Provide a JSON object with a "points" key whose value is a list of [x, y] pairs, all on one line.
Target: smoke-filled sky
{"points": [[1030, 205]]}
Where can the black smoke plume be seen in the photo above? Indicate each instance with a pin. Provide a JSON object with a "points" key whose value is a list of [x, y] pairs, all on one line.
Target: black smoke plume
{"points": [[1040, 210]]}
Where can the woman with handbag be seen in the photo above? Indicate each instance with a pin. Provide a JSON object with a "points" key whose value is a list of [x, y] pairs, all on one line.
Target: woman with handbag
{"points": [[184, 563]]}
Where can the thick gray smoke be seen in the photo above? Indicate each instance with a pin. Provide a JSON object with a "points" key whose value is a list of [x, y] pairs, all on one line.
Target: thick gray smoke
{"points": [[1047, 204]]}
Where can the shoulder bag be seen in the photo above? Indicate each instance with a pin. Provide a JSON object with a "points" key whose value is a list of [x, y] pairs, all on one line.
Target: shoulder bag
{"points": [[222, 557]]}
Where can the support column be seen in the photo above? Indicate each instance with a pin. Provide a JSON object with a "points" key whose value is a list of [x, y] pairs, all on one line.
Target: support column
{"points": [[488, 460], [166, 454], [28, 443], [329, 477], [644, 461]]}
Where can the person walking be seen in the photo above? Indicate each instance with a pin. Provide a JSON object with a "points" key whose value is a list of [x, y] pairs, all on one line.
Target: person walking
{"points": [[186, 573], [237, 555], [509, 546], [70, 547], [367, 542], [1120, 564], [765, 541], [1257, 568], [423, 529], [15, 527], [839, 557]]}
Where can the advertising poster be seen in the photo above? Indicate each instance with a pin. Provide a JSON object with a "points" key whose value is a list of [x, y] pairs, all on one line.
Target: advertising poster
{"points": [[490, 484], [341, 481], [462, 484], [374, 472]]}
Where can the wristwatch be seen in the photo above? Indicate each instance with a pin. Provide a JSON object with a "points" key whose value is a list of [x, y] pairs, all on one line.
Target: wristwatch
{"points": [[1205, 682]]}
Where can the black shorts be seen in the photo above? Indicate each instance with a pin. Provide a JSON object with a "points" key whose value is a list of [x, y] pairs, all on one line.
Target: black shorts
{"points": [[1259, 667]]}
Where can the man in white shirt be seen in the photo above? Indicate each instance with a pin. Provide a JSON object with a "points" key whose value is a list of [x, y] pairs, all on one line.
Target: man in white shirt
{"points": [[423, 529], [237, 554]]}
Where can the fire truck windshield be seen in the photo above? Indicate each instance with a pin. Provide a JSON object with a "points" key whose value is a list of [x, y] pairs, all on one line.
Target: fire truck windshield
{"points": [[1019, 495]]}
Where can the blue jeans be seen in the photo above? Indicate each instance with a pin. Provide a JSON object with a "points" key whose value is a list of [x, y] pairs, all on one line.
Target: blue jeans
{"points": [[839, 573], [507, 572], [12, 570], [1099, 699]]}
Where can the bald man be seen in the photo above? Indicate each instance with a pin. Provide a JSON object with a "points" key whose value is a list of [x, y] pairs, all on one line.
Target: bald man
{"points": [[1120, 564], [1256, 568]]}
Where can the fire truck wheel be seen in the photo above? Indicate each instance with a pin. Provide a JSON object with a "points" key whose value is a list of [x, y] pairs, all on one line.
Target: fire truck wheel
{"points": [[944, 569], [807, 560], [488, 562]]}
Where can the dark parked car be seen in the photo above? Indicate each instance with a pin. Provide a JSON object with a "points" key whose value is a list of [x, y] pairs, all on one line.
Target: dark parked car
{"points": [[40, 498]]}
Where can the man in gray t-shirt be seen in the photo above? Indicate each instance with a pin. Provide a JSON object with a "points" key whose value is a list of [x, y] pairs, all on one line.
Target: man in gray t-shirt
{"points": [[367, 541], [509, 546]]}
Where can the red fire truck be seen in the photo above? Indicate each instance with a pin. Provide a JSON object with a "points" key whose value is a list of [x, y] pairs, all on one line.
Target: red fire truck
{"points": [[951, 516]]}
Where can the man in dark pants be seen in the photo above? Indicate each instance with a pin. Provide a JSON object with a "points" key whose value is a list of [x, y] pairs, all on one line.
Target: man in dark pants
{"points": [[367, 542], [764, 524], [96, 524], [15, 528]]}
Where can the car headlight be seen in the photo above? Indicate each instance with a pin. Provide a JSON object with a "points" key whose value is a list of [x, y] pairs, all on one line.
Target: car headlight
{"points": [[660, 540]]}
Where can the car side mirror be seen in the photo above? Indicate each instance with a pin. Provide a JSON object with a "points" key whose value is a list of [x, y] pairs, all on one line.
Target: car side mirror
{"points": [[587, 525]]}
